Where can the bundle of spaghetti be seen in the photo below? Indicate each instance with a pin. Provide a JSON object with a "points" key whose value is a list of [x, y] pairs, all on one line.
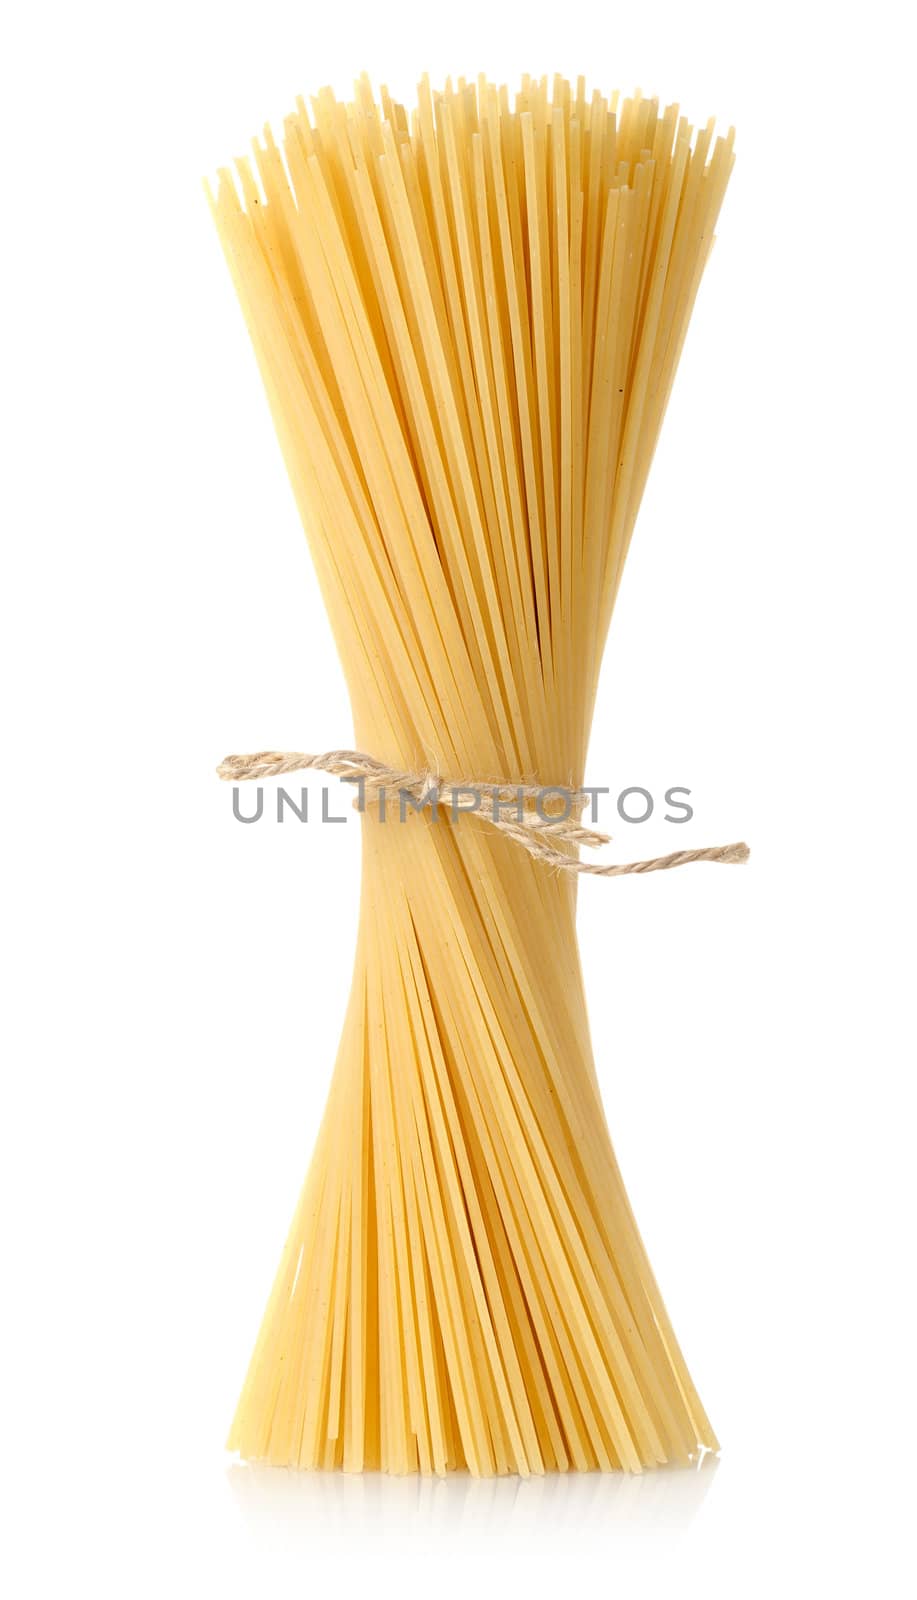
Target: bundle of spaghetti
{"points": [[468, 319]]}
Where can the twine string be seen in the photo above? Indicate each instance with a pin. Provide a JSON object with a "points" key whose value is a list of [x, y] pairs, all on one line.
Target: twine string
{"points": [[533, 830]]}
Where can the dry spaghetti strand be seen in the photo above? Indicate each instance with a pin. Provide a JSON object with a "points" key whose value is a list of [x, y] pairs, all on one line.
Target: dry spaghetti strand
{"points": [[468, 317]]}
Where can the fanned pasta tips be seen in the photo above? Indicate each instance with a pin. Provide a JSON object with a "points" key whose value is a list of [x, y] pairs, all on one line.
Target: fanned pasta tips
{"points": [[468, 318]]}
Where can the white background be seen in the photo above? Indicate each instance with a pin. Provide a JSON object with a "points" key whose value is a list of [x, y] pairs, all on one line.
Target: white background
{"points": [[176, 981]]}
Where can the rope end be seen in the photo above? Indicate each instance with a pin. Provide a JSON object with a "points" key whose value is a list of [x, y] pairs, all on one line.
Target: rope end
{"points": [[735, 854]]}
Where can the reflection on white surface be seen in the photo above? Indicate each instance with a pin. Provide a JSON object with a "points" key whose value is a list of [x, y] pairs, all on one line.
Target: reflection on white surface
{"points": [[665, 1501]]}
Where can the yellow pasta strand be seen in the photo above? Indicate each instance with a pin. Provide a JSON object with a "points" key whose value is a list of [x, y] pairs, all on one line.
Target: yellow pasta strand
{"points": [[468, 319]]}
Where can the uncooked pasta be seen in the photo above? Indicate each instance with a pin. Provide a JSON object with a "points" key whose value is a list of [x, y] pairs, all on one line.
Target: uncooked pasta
{"points": [[468, 319]]}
